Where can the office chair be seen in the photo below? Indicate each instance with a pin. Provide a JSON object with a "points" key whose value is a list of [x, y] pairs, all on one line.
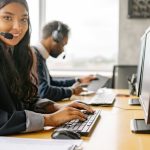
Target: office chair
{"points": [[121, 74]]}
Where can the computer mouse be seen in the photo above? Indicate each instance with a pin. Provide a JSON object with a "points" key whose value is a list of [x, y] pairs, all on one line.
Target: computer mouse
{"points": [[65, 134]]}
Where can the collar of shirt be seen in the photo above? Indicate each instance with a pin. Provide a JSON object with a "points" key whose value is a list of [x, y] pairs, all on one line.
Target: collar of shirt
{"points": [[12, 49], [42, 50]]}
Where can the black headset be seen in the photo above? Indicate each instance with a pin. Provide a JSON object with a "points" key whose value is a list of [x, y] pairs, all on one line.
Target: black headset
{"points": [[57, 35]]}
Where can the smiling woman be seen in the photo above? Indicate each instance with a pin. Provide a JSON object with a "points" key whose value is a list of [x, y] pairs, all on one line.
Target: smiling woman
{"points": [[20, 108], [14, 22]]}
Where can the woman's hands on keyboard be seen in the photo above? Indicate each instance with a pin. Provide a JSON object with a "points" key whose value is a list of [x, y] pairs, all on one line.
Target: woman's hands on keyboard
{"points": [[67, 113]]}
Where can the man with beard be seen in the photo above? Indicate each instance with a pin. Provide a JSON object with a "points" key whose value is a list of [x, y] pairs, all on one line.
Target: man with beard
{"points": [[54, 38]]}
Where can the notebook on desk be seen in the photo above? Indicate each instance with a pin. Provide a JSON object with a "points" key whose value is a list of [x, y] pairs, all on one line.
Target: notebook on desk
{"points": [[99, 83], [12, 143]]}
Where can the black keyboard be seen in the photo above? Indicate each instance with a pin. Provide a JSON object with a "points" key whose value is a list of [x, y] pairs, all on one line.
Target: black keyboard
{"points": [[82, 127]]}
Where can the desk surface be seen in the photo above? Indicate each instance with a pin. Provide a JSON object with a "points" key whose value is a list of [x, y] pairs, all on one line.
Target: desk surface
{"points": [[112, 131]]}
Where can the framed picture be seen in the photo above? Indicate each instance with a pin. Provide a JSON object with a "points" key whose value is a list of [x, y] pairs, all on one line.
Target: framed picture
{"points": [[139, 8]]}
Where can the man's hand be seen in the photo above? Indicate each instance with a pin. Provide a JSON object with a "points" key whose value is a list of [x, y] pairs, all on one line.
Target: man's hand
{"points": [[87, 79], [76, 89]]}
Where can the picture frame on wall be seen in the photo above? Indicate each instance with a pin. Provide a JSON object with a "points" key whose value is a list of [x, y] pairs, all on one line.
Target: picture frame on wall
{"points": [[139, 8]]}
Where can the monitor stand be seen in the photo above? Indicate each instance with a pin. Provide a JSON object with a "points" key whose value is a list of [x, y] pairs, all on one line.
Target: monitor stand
{"points": [[134, 102], [139, 126]]}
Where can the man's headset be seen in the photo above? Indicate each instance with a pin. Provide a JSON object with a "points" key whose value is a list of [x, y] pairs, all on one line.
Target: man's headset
{"points": [[57, 35]]}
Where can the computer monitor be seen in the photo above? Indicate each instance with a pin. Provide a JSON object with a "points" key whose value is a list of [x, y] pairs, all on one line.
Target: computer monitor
{"points": [[143, 125], [139, 74], [145, 90]]}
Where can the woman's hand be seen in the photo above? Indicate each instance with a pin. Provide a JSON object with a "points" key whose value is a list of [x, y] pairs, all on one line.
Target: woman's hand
{"points": [[51, 108], [63, 115], [76, 104], [67, 113], [80, 105]]}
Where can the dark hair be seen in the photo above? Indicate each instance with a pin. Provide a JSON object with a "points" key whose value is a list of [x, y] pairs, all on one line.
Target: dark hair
{"points": [[5, 2], [17, 70], [50, 27]]}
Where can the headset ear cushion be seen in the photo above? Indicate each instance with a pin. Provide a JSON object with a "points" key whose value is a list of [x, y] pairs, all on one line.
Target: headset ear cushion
{"points": [[60, 36], [54, 35], [57, 36]]}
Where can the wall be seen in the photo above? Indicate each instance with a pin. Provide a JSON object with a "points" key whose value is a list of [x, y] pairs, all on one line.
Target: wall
{"points": [[130, 31]]}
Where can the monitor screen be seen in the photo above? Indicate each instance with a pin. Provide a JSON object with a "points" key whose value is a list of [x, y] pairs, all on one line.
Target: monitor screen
{"points": [[145, 90], [139, 75]]}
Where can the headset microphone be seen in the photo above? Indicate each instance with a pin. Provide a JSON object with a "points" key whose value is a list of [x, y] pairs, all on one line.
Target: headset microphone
{"points": [[6, 35], [64, 56]]}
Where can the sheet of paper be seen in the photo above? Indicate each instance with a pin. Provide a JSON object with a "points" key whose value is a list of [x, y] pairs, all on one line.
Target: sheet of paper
{"points": [[10, 143]]}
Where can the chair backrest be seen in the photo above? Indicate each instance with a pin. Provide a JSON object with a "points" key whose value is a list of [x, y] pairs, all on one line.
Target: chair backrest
{"points": [[121, 74]]}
